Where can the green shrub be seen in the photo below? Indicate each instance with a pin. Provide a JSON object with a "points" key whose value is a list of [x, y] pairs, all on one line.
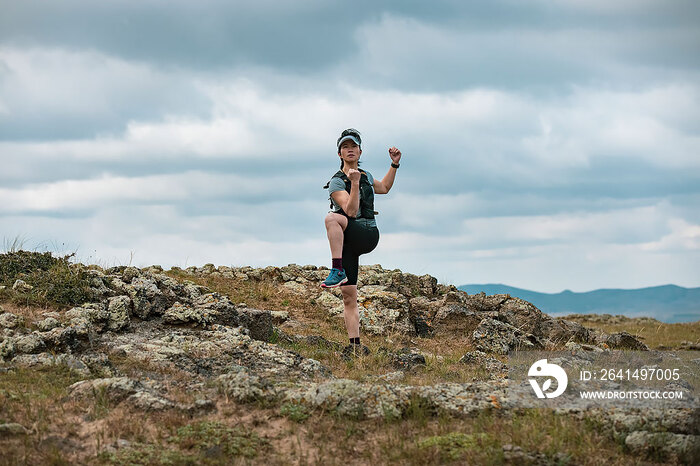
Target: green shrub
{"points": [[14, 264], [455, 445], [295, 411], [213, 436], [54, 279]]}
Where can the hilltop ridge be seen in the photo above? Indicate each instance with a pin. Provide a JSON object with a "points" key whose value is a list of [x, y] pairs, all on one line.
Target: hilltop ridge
{"points": [[207, 347]]}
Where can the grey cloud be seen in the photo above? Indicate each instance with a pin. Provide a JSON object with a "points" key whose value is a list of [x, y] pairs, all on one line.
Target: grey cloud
{"points": [[55, 94], [301, 36]]}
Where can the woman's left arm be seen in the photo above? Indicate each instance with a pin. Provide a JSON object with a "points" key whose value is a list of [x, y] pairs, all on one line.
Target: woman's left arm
{"points": [[383, 187]]}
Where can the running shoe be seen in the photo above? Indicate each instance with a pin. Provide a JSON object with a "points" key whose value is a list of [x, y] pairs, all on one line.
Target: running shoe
{"points": [[354, 351], [336, 278]]}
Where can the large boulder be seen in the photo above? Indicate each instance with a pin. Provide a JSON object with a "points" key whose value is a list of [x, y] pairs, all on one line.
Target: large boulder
{"points": [[118, 310], [383, 311], [494, 336], [147, 298]]}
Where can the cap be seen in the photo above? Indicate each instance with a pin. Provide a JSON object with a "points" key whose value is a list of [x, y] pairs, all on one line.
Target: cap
{"points": [[346, 138], [350, 134]]}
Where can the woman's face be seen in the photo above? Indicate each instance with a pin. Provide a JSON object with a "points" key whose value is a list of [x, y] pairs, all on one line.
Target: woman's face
{"points": [[349, 151]]}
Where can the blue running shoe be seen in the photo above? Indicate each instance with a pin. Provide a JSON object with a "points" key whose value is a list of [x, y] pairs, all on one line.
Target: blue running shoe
{"points": [[336, 278]]}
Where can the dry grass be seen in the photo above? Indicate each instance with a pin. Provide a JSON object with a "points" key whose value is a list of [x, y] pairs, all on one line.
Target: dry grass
{"points": [[31, 312], [36, 400], [654, 334], [422, 438], [251, 434]]}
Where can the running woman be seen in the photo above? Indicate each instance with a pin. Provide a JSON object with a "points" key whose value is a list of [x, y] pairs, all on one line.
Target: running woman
{"points": [[351, 227]]}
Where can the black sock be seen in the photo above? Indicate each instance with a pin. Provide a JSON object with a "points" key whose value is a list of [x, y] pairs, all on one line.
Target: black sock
{"points": [[338, 263], [355, 341]]}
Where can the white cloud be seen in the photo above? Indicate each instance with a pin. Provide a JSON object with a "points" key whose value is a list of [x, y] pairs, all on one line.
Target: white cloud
{"points": [[96, 194], [682, 238], [500, 181]]}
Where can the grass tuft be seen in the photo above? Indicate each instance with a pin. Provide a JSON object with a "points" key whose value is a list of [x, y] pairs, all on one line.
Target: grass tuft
{"points": [[295, 411], [456, 445], [218, 439], [54, 279]]}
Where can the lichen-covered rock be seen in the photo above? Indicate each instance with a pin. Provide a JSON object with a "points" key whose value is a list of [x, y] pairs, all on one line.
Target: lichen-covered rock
{"points": [[10, 320], [463, 398], [147, 299], [61, 338], [118, 309], [676, 420], [82, 327], [390, 377], [218, 308], [624, 340], [522, 315], [181, 314], [96, 281], [242, 386], [31, 343], [7, 348], [483, 303], [330, 302], [48, 359], [352, 398], [383, 311], [258, 322], [147, 401], [12, 429], [295, 287], [493, 336], [48, 324], [170, 287], [456, 317], [129, 273], [153, 269], [405, 359], [670, 446], [279, 317], [193, 291], [291, 272], [95, 315], [115, 388], [116, 284], [22, 287], [482, 359], [563, 331]]}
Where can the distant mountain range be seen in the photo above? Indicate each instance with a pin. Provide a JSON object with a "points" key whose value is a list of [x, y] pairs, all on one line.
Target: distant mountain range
{"points": [[668, 303]]}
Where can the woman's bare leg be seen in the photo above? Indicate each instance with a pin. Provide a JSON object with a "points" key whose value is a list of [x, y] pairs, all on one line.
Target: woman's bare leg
{"points": [[335, 226], [352, 312]]}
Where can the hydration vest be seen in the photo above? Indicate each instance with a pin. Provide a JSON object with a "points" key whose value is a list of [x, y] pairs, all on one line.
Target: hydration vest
{"points": [[366, 209]]}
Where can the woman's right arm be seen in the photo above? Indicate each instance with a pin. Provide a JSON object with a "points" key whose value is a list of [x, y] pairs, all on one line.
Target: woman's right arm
{"points": [[350, 203]]}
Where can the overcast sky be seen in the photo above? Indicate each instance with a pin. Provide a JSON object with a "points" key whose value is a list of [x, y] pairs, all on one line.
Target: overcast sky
{"points": [[547, 144]]}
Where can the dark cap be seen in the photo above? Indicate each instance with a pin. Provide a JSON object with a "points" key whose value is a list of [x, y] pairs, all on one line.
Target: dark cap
{"points": [[350, 134]]}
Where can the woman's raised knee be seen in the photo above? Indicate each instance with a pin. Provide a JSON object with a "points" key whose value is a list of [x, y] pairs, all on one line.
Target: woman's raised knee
{"points": [[336, 219]]}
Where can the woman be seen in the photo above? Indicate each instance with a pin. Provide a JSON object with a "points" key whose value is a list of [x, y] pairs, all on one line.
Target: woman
{"points": [[351, 227]]}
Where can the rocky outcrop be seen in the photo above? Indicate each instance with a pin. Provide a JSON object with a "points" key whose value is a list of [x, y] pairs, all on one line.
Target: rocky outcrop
{"points": [[210, 344], [391, 301], [128, 294]]}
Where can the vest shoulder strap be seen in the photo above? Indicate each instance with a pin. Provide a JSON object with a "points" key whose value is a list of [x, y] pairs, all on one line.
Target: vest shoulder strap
{"points": [[341, 174]]}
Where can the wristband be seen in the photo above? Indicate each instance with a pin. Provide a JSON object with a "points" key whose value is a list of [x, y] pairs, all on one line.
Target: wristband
{"points": [[395, 165]]}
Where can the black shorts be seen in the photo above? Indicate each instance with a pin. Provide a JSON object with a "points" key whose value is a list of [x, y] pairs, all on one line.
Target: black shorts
{"points": [[358, 239]]}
